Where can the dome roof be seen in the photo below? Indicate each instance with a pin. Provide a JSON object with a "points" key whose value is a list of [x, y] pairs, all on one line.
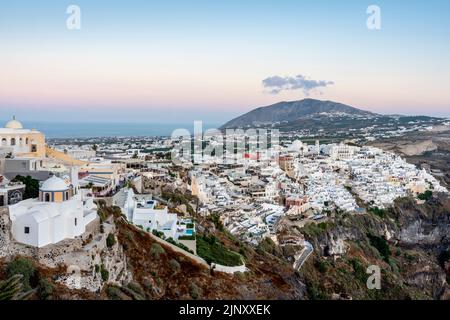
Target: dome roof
{"points": [[14, 124], [54, 184], [296, 145]]}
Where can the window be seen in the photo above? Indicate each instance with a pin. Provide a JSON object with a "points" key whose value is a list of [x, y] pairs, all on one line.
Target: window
{"points": [[13, 141], [76, 221], [27, 230]]}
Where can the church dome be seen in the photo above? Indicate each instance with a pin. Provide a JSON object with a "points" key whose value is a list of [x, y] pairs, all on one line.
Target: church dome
{"points": [[54, 184], [14, 124], [296, 145]]}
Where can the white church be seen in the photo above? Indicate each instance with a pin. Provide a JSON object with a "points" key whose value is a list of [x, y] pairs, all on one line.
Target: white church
{"points": [[61, 212]]}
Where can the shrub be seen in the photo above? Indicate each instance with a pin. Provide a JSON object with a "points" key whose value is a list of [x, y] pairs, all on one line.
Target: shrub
{"points": [[215, 218], [175, 265], [110, 240], [104, 273], [321, 266], [136, 287], [45, 289], [214, 252], [265, 245], [157, 233], [195, 291], [378, 212], [23, 266], [358, 270], [31, 186], [157, 250], [381, 245], [425, 196], [115, 293], [193, 237], [313, 229], [240, 276]]}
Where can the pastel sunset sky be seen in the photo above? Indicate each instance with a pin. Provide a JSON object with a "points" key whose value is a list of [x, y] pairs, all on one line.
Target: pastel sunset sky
{"points": [[172, 61]]}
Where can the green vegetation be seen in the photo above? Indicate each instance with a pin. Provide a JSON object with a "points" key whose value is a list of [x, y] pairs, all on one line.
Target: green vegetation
{"points": [[425, 196], [104, 273], [193, 237], [31, 186], [25, 268], [313, 229], [157, 233], [381, 245], [12, 289], [178, 199], [175, 265], [104, 212], [45, 289], [267, 245], [115, 293], [133, 291], [210, 249], [110, 240], [157, 250], [315, 292], [321, 266], [215, 218], [358, 270], [195, 291], [378, 212]]}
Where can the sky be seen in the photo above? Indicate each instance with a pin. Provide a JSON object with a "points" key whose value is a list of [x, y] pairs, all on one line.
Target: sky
{"points": [[178, 61]]}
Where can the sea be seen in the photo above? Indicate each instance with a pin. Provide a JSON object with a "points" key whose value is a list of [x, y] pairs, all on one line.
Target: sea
{"points": [[116, 129]]}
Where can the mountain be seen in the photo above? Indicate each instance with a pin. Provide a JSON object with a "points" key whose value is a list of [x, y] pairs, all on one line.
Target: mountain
{"points": [[292, 111]]}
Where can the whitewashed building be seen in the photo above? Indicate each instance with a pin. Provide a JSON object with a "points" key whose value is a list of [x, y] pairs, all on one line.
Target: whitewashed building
{"points": [[61, 212], [143, 211]]}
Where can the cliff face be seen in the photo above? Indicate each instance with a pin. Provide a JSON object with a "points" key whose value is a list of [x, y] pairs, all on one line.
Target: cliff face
{"points": [[163, 273], [137, 265], [406, 242], [77, 263]]}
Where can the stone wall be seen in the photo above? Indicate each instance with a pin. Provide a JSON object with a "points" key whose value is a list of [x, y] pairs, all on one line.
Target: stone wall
{"points": [[225, 269]]}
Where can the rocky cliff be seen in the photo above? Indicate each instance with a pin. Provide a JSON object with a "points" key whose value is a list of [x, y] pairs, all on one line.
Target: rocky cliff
{"points": [[409, 242]]}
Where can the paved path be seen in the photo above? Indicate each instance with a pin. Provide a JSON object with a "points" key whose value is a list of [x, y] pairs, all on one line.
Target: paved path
{"points": [[304, 255]]}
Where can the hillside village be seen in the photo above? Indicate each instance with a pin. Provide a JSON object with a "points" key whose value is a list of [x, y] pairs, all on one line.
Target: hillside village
{"points": [[64, 205]]}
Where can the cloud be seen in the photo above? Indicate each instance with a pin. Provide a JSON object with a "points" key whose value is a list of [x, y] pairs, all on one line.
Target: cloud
{"points": [[276, 84]]}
